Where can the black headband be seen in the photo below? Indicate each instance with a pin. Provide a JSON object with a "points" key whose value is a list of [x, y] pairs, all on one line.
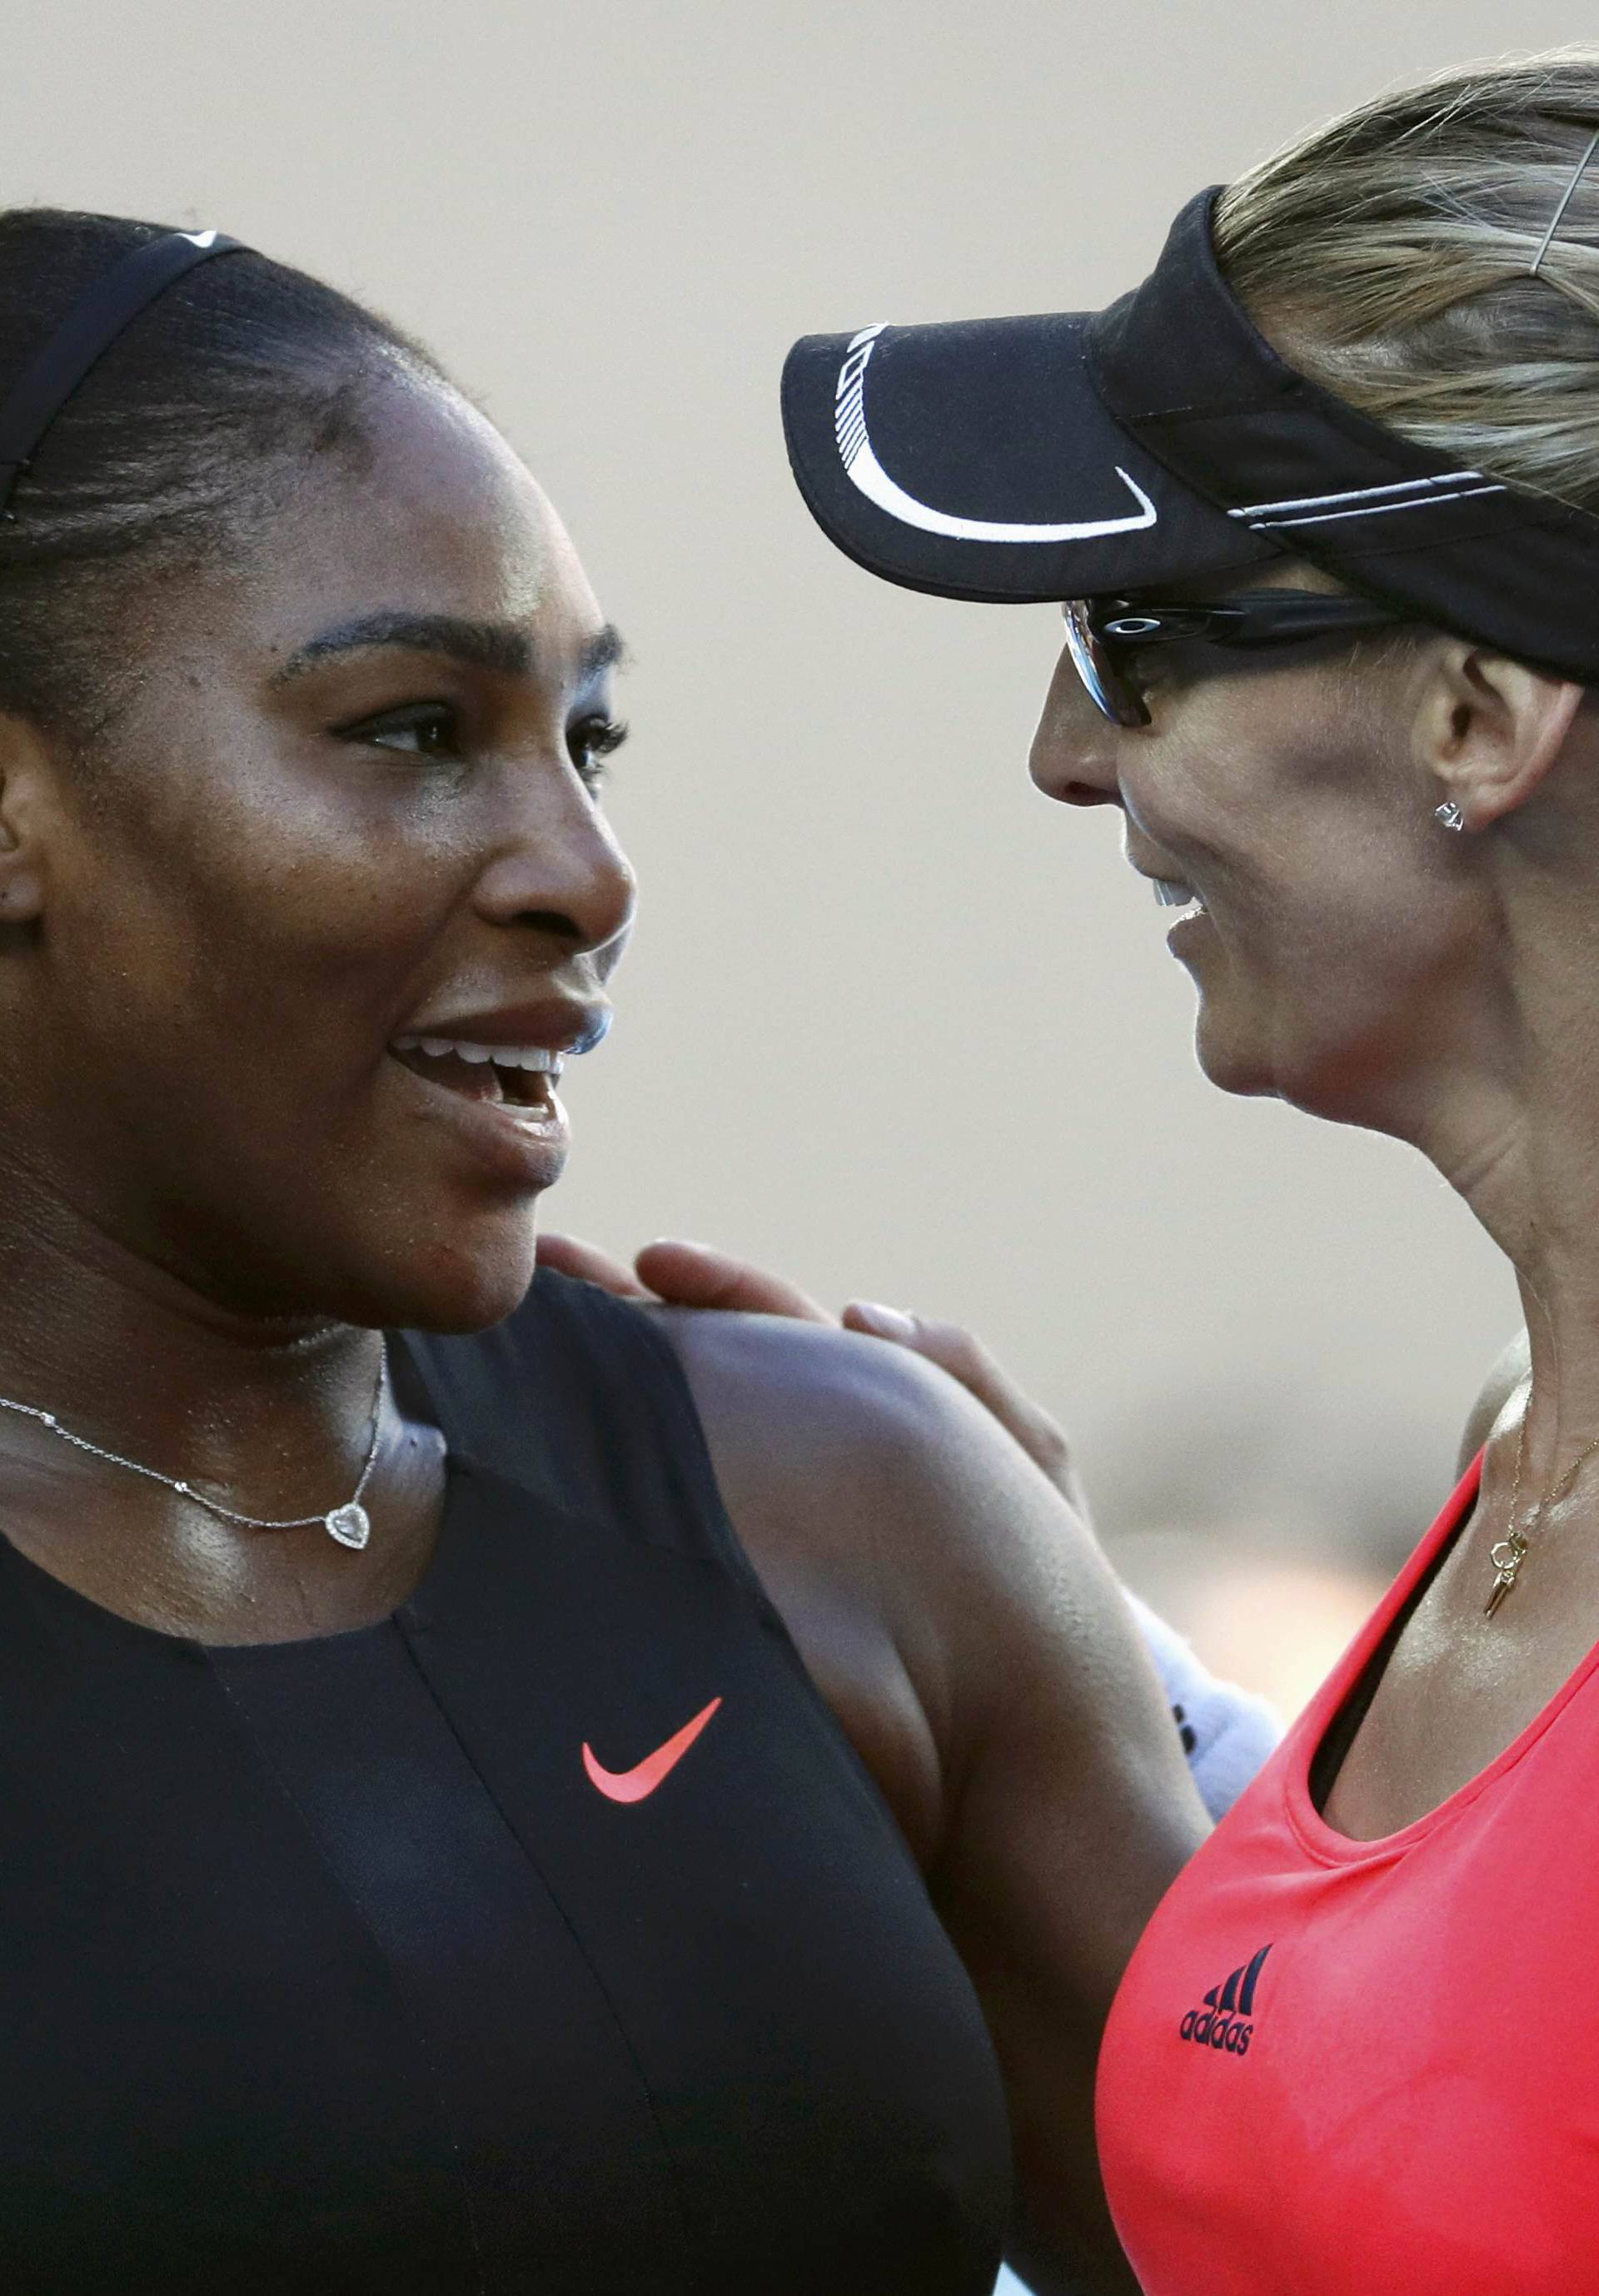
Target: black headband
{"points": [[89, 329], [1163, 440]]}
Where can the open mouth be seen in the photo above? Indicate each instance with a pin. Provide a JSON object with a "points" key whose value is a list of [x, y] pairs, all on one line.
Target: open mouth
{"points": [[509, 1076], [1171, 893]]}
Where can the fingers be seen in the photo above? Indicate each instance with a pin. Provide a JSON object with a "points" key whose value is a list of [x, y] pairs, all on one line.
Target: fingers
{"points": [[965, 1357], [697, 1276], [573, 1257], [694, 1276], [685, 1275]]}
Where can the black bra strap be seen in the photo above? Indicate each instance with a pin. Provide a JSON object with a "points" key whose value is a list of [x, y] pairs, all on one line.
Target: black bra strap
{"points": [[89, 329]]}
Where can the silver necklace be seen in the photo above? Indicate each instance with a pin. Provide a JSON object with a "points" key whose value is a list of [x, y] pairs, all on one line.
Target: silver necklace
{"points": [[349, 1524]]}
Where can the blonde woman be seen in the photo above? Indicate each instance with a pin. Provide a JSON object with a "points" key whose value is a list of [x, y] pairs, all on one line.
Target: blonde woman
{"points": [[1322, 498]]}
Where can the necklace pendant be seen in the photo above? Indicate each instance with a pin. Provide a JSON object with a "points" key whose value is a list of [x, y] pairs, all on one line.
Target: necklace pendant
{"points": [[349, 1525], [1508, 1558]]}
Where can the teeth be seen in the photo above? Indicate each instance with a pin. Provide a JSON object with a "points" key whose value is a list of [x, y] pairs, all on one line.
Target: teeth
{"points": [[504, 1056], [1171, 893]]}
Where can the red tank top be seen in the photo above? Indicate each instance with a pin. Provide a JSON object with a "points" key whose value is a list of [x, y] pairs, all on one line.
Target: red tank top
{"points": [[1336, 2068]]}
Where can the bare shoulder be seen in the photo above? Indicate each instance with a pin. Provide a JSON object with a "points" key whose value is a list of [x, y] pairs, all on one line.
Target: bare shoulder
{"points": [[834, 1447], [939, 1586], [964, 1627], [773, 1390]]}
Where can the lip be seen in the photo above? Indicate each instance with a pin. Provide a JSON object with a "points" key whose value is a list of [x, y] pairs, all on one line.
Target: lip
{"points": [[1170, 874], [524, 1148], [565, 1025], [1154, 869], [1174, 938]]}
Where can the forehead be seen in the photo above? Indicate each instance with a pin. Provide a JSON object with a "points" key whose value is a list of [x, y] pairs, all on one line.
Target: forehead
{"points": [[433, 515]]}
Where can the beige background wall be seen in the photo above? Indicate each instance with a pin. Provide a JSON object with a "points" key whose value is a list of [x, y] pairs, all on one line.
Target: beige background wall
{"points": [[891, 1022]]}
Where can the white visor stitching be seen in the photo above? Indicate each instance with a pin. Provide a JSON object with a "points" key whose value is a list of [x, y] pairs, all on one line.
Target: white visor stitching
{"points": [[866, 471]]}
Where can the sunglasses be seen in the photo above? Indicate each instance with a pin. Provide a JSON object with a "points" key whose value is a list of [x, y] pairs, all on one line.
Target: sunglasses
{"points": [[1104, 634]]}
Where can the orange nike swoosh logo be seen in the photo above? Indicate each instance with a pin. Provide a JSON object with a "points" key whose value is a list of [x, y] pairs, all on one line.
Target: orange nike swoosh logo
{"points": [[638, 1783]]}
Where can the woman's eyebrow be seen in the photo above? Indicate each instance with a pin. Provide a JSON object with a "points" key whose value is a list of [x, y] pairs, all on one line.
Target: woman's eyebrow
{"points": [[501, 646]]}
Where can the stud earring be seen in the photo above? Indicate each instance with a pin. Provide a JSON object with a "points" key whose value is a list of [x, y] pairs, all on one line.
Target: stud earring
{"points": [[1450, 815]]}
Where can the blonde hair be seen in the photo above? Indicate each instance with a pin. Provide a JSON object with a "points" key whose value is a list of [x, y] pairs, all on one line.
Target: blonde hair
{"points": [[1387, 254]]}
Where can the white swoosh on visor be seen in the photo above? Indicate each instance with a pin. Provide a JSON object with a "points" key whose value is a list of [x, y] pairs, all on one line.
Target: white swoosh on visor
{"points": [[866, 471]]}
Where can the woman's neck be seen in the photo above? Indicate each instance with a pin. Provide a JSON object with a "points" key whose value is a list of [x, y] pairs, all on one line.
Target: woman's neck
{"points": [[269, 1415], [91, 1331], [1526, 1162]]}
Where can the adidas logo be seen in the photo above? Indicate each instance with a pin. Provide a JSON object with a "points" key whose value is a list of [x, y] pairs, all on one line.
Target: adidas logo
{"points": [[1222, 2023]]}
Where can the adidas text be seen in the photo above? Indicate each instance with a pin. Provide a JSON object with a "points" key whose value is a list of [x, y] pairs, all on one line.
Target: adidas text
{"points": [[1224, 2022]]}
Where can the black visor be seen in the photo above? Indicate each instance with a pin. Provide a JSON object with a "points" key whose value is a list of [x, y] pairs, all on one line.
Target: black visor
{"points": [[1159, 442]]}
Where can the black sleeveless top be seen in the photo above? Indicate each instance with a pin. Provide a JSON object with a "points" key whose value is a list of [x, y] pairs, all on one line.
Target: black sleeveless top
{"points": [[547, 1937]]}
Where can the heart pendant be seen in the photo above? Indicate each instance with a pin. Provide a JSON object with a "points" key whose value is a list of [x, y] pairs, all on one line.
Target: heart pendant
{"points": [[349, 1525]]}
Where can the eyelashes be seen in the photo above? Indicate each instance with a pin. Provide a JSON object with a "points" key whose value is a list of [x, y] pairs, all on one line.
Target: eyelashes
{"points": [[432, 730], [593, 742], [421, 729]]}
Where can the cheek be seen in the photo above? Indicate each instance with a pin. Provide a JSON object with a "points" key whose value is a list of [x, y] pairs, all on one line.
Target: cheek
{"points": [[236, 924], [1335, 973], [1279, 793], [1330, 933], [203, 1052]]}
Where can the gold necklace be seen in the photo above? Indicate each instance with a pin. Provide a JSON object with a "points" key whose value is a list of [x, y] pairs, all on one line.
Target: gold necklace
{"points": [[1510, 1553]]}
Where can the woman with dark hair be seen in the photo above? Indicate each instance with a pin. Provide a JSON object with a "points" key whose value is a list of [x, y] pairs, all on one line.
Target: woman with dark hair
{"points": [[439, 1848], [1322, 499]]}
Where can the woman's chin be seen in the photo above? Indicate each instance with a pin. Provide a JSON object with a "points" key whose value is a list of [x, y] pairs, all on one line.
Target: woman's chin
{"points": [[1319, 1079], [459, 1279], [455, 1290], [1229, 1061]]}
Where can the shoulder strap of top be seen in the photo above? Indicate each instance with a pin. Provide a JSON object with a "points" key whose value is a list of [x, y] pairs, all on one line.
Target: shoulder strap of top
{"points": [[580, 1396]]}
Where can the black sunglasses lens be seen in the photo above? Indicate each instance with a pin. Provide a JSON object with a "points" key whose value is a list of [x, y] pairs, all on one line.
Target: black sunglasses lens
{"points": [[1102, 681]]}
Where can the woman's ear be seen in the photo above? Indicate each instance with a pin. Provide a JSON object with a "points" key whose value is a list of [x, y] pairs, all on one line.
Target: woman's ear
{"points": [[1489, 730], [25, 777]]}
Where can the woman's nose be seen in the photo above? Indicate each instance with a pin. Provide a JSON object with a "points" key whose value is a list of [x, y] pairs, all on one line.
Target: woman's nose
{"points": [[561, 868], [1074, 750]]}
